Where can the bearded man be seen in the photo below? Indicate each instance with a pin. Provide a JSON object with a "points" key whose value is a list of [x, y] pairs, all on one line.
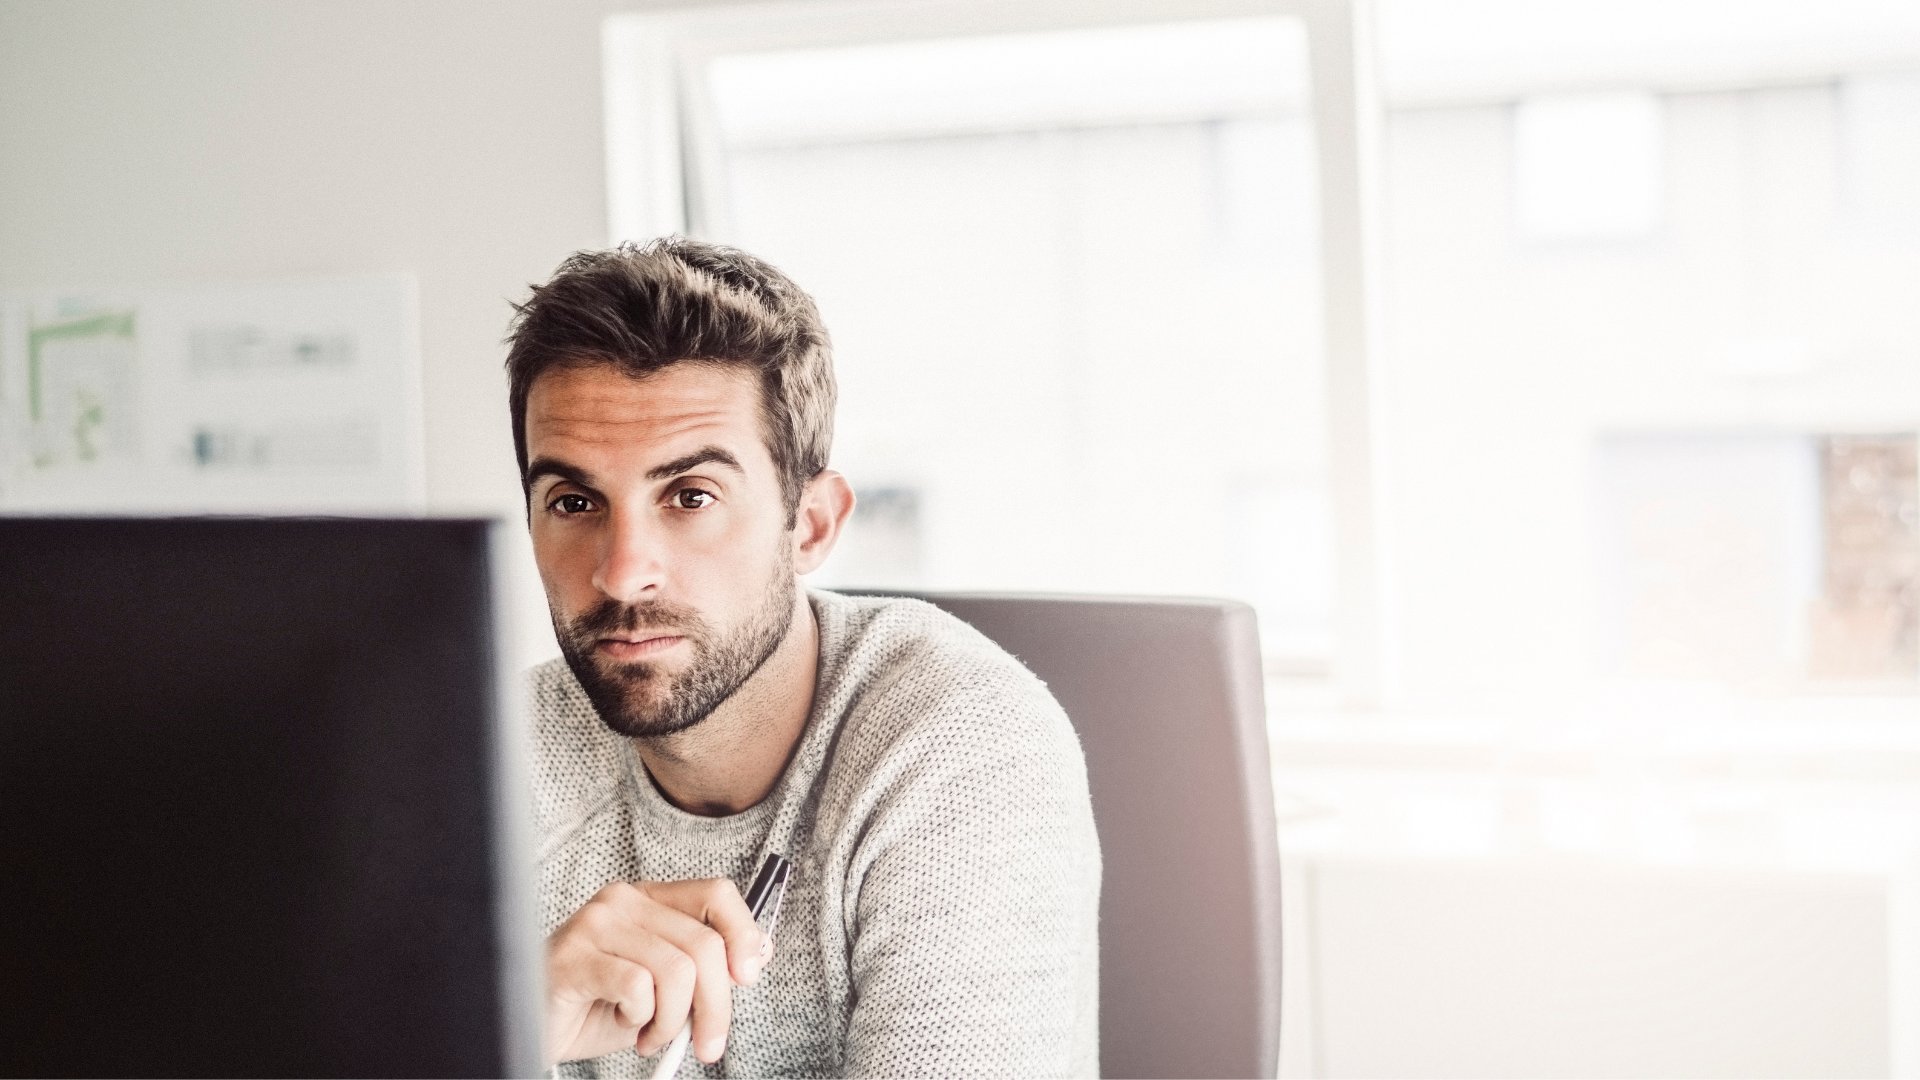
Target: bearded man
{"points": [[672, 414]]}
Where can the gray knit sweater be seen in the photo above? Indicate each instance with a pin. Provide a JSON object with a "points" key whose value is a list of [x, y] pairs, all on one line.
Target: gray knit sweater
{"points": [[941, 920]]}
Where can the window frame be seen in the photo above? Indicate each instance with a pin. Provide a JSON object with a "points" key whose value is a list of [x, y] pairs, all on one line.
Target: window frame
{"points": [[662, 148]]}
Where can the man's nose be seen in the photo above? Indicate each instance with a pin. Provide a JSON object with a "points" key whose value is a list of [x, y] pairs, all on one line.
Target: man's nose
{"points": [[630, 561]]}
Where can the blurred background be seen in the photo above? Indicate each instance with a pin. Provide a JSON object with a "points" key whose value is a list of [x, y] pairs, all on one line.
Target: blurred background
{"points": [[1546, 373]]}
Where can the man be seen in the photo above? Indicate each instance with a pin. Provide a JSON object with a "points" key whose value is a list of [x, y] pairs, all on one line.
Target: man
{"points": [[672, 408]]}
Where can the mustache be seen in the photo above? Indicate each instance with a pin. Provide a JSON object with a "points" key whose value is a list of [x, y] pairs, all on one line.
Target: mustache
{"points": [[613, 617]]}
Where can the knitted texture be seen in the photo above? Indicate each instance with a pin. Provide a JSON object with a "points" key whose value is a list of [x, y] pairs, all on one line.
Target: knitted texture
{"points": [[941, 919]]}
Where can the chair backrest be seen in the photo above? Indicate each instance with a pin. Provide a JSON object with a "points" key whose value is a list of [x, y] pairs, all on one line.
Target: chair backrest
{"points": [[1166, 698]]}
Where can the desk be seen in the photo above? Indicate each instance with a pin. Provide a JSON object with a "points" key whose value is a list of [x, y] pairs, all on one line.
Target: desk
{"points": [[1473, 919]]}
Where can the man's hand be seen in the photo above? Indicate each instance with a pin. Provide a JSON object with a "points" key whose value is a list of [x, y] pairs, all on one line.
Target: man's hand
{"points": [[628, 967]]}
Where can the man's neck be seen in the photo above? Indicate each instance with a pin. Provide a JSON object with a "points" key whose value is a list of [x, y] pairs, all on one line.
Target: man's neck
{"points": [[730, 761]]}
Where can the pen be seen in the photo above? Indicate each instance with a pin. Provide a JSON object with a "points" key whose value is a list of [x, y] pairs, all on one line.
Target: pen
{"points": [[768, 889]]}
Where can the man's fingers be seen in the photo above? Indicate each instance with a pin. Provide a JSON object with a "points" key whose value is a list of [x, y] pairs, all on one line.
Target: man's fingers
{"points": [[712, 988], [620, 982], [674, 974], [625, 923], [693, 940], [717, 903]]}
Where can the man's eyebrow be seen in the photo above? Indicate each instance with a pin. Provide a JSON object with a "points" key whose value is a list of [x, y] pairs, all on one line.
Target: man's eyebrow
{"points": [[689, 462], [546, 466]]}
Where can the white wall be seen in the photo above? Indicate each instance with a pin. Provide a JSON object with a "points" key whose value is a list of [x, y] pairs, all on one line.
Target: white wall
{"points": [[228, 140]]}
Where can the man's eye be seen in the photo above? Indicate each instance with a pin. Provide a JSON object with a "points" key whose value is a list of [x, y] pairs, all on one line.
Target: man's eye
{"points": [[571, 504], [692, 499]]}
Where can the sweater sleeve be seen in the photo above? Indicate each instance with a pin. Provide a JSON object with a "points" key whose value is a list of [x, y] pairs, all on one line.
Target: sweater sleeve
{"points": [[975, 945]]}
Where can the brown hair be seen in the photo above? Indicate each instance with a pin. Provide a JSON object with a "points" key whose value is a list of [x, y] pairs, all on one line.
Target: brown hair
{"points": [[643, 307]]}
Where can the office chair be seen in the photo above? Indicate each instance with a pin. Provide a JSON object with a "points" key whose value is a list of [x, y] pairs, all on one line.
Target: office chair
{"points": [[1166, 697]]}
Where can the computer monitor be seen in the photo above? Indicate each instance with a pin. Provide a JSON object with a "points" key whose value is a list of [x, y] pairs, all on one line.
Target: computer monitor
{"points": [[260, 802]]}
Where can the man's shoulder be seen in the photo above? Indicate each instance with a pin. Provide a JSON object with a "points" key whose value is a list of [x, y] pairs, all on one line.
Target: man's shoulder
{"points": [[577, 763], [915, 679], [557, 706], [902, 645], [945, 733]]}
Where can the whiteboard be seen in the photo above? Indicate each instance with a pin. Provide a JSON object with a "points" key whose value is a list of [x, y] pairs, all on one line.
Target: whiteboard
{"points": [[282, 397]]}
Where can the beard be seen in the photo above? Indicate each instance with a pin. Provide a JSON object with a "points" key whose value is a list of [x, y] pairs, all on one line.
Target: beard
{"points": [[638, 699]]}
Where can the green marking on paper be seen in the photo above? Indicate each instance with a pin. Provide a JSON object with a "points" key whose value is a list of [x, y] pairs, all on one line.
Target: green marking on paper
{"points": [[117, 324], [92, 417]]}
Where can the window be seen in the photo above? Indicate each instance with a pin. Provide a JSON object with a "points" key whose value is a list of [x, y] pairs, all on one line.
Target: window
{"points": [[1102, 286], [1772, 562], [1587, 166], [1073, 270], [1618, 473], [1880, 147]]}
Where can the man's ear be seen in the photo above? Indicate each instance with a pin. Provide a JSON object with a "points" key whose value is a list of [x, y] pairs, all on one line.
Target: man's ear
{"points": [[825, 505]]}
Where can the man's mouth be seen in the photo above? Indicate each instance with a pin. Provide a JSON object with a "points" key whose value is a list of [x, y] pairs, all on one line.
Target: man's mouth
{"points": [[635, 646]]}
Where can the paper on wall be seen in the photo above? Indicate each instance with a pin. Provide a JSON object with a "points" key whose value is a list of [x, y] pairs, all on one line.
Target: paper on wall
{"points": [[258, 398]]}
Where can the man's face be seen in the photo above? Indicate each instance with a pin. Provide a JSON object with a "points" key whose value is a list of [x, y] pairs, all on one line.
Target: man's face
{"points": [[661, 537]]}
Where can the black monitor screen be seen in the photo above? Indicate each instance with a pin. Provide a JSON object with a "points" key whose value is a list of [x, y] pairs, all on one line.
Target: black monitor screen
{"points": [[248, 776]]}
